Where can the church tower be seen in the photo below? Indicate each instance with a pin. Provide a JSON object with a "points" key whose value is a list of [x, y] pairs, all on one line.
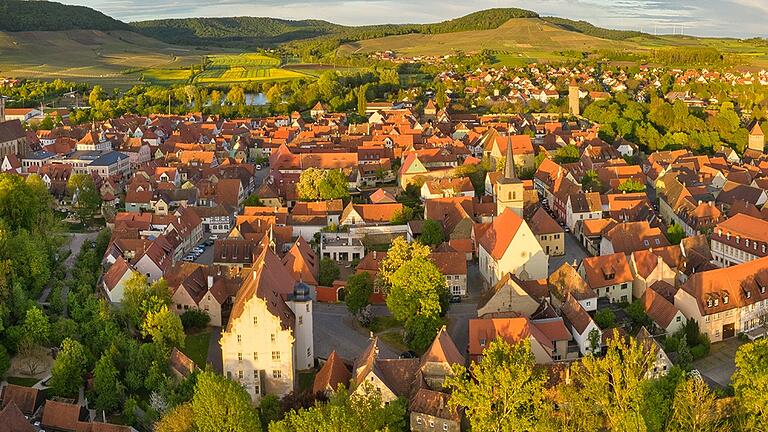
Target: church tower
{"points": [[757, 138], [573, 98], [509, 189]]}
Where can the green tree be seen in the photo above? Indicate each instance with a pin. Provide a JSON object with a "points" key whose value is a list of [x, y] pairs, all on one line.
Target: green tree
{"points": [[590, 182], [95, 96], [220, 404], [253, 200], [359, 289], [5, 361], [402, 216], [398, 254], [604, 318], [69, 368], [417, 288], [36, 326], [318, 184], [270, 410], [178, 419], [236, 96], [164, 327], [504, 392], [329, 271], [106, 385], [750, 381], [694, 408], [87, 198], [631, 185], [363, 411], [567, 154], [432, 233], [140, 298], [675, 234], [612, 385], [362, 102]]}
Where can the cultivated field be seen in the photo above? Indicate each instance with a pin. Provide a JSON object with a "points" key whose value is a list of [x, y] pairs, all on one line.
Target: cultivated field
{"points": [[243, 68], [109, 58]]}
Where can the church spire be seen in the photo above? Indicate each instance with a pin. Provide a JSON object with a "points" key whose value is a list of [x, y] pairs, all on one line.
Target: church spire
{"points": [[509, 165]]}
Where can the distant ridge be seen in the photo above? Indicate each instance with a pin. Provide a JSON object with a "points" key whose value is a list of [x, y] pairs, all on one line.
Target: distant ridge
{"points": [[263, 31], [17, 16]]}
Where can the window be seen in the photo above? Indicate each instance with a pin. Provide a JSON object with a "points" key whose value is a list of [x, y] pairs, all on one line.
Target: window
{"points": [[307, 306], [275, 355], [239, 357], [482, 342], [301, 320], [256, 376], [445, 426], [255, 355], [255, 320], [309, 352], [239, 374], [645, 242], [677, 319], [418, 420], [229, 375], [239, 338], [273, 337], [277, 374]]}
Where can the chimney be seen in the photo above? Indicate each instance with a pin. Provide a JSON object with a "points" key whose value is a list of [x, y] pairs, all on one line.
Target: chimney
{"points": [[210, 281]]}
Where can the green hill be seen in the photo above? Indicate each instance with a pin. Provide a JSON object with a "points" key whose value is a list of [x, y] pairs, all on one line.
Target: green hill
{"points": [[267, 32], [591, 30], [17, 16]]}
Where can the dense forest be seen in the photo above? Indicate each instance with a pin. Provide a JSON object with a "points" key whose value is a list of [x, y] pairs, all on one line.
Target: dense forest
{"points": [[591, 30], [17, 15]]}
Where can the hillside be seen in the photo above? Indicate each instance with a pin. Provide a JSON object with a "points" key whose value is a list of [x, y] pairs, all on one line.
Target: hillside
{"points": [[269, 32], [526, 38], [17, 15], [88, 55]]}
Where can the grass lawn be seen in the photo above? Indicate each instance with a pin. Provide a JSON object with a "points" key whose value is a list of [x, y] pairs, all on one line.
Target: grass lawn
{"points": [[23, 381], [306, 380], [382, 323], [196, 347]]}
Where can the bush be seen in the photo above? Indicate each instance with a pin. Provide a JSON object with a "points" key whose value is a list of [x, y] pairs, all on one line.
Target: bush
{"points": [[604, 318], [699, 351], [5, 361], [195, 319], [329, 272]]}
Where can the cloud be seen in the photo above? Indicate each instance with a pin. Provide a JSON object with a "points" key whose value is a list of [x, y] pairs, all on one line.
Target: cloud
{"points": [[700, 17]]}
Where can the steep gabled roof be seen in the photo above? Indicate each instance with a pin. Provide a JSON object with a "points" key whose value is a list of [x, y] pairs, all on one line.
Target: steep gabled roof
{"points": [[333, 373], [442, 350], [497, 238]]}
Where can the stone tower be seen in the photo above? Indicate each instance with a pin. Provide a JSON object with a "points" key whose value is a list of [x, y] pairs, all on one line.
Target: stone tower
{"points": [[573, 98], [757, 138], [509, 189]]}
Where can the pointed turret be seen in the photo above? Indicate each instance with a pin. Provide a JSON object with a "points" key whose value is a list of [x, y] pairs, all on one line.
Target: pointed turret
{"points": [[510, 176]]}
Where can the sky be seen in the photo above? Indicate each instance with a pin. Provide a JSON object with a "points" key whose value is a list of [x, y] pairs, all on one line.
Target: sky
{"points": [[733, 18]]}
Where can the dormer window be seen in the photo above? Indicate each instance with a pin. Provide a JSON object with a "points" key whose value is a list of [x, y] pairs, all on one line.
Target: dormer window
{"points": [[746, 242], [749, 294], [737, 239], [720, 232], [725, 299], [482, 342], [709, 302], [717, 302], [728, 236]]}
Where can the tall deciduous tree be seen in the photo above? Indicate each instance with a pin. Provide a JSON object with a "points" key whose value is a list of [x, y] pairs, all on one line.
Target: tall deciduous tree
{"points": [[750, 382], [88, 200], [359, 289], [179, 419], [613, 385], [220, 404], [504, 392], [694, 408], [106, 385], [164, 327], [398, 254], [69, 368], [318, 184], [329, 271]]}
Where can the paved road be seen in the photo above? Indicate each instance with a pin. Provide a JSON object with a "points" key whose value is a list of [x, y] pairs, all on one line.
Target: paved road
{"points": [[573, 251], [214, 351], [335, 329], [720, 364]]}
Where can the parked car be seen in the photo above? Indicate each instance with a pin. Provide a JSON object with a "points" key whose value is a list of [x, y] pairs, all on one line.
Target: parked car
{"points": [[455, 299]]}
